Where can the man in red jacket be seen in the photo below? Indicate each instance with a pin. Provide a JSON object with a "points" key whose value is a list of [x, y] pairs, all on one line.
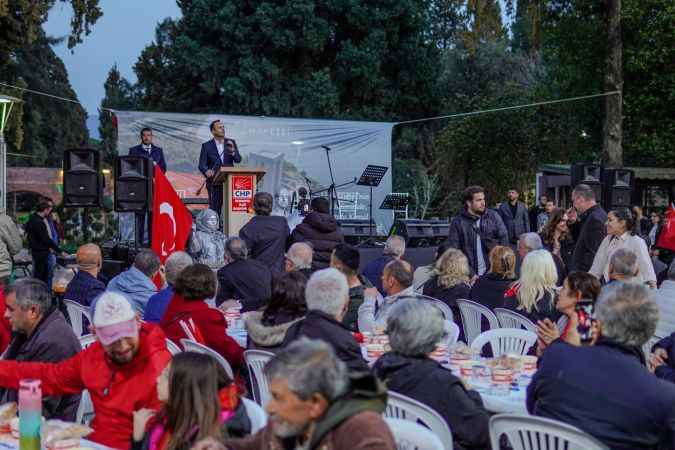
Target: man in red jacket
{"points": [[120, 370]]}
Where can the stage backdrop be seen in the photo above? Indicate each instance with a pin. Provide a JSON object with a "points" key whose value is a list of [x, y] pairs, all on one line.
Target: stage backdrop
{"points": [[289, 149]]}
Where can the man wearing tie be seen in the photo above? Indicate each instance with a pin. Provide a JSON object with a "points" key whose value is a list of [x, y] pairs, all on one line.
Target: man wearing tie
{"points": [[156, 154], [216, 153]]}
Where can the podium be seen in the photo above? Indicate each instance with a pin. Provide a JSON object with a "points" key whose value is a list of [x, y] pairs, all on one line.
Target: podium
{"points": [[239, 187]]}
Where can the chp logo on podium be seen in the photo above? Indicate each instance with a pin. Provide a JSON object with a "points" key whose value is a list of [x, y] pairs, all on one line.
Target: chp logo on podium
{"points": [[242, 193]]}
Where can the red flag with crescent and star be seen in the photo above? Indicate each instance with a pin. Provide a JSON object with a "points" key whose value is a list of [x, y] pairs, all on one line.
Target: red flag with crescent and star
{"points": [[171, 220]]}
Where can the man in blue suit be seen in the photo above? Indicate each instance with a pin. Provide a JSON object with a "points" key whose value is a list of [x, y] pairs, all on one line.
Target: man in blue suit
{"points": [[216, 153], [147, 149]]}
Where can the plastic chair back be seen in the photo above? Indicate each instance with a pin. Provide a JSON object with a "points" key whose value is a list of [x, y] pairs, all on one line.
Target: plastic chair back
{"points": [[411, 436], [85, 410], [256, 361], [472, 313], [506, 340], [511, 319], [75, 313], [453, 333], [256, 414], [173, 348], [401, 407], [537, 433], [192, 346], [87, 340]]}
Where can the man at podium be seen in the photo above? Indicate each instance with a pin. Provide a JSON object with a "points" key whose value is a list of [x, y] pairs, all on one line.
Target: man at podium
{"points": [[216, 153]]}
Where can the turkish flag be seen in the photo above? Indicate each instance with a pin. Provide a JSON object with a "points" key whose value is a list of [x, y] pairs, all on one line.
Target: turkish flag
{"points": [[171, 220], [667, 236]]}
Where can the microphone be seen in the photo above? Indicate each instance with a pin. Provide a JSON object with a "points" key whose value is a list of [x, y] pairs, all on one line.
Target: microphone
{"points": [[325, 147]]}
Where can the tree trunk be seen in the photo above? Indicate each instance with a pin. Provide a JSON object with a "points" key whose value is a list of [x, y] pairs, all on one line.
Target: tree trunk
{"points": [[612, 152]]}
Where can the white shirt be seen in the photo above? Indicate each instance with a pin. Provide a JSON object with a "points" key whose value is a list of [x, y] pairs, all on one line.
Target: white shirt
{"points": [[148, 148], [221, 148], [635, 244]]}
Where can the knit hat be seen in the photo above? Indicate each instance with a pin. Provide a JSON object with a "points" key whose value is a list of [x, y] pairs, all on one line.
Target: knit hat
{"points": [[114, 318]]}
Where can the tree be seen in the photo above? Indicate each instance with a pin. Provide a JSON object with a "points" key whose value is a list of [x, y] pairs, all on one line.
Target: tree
{"points": [[612, 130], [119, 94]]}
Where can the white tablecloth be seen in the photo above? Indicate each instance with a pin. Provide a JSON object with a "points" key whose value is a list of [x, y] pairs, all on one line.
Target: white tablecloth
{"points": [[239, 335], [514, 403], [7, 442]]}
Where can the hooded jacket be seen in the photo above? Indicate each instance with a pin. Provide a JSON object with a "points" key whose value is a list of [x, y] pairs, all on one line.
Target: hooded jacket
{"points": [[266, 238], [323, 233], [426, 381], [52, 341], [10, 244], [463, 231], [135, 286], [210, 322], [266, 337], [352, 422], [116, 390]]}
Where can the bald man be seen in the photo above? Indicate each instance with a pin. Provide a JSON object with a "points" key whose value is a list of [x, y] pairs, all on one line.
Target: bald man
{"points": [[86, 286], [299, 258]]}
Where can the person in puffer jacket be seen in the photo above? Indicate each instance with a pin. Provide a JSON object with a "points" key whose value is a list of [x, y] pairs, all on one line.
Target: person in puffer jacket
{"points": [[321, 231]]}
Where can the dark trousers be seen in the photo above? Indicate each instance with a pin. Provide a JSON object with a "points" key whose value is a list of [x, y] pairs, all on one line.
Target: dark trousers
{"points": [[41, 265], [215, 197]]}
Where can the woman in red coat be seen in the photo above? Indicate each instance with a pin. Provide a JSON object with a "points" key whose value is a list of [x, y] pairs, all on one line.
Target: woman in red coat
{"points": [[188, 309]]}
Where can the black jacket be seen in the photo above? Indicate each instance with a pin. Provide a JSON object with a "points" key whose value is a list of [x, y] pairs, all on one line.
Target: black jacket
{"points": [[38, 237], [356, 297], [52, 341], [489, 290], [545, 308], [448, 296], [588, 233], [517, 225], [319, 325], [266, 238], [246, 280], [323, 233], [426, 381], [607, 392], [463, 232]]}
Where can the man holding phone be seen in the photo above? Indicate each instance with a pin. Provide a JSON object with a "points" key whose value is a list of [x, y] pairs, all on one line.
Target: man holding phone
{"points": [[216, 153]]}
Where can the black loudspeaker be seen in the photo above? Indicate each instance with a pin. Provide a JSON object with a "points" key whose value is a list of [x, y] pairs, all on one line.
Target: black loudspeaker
{"points": [[590, 174], [618, 187], [82, 178], [421, 233], [133, 184], [357, 232]]}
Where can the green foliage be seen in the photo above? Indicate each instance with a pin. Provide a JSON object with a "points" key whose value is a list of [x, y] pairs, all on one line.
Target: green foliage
{"points": [[120, 95]]}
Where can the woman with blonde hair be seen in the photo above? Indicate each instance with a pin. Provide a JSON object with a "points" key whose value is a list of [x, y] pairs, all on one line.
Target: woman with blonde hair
{"points": [[489, 289], [450, 280], [533, 295]]}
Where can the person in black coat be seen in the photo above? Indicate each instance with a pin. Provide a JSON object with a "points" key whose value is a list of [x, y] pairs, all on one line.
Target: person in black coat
{"points": [[515, 217], [450, 281], [407, 370], [216, 153], [327, 294], [477, 224], [588, 229], [266, 236], [321, 230], [147, 149], [243, 279], [604, 389], [39, 240], [489, 289]]}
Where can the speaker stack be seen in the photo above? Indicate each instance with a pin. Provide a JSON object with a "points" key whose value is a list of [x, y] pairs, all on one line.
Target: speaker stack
{"points": [[133, 184], [618, 187], [82, 178], [421, 233], [358, 232], [590, 174]]}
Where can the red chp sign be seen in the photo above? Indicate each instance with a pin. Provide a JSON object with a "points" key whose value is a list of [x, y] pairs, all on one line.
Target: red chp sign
{"points": [[242, 193]]}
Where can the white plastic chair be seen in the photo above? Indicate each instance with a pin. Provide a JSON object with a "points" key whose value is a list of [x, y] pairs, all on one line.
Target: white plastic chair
{"points": [[537, 433], [511, 319], [192, 346], [453, 333], [256, 361], [256, 414], [87, 340], [411, 436], [472, 313], [173, 348], [75, 313], [401, 407], [85, 410], [506, 340]]}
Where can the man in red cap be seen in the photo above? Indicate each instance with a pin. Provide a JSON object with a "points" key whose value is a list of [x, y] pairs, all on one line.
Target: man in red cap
{"points": [[120, 370]]}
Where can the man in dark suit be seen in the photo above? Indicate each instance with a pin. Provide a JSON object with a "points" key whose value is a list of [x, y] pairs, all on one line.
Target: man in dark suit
{"points": [[243, 279], [588, 230], [40, 240], [147, 149], [514, 216], [216, 153]]}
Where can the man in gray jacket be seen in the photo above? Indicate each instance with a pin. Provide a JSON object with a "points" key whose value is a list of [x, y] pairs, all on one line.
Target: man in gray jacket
{"points": [[514, 215], [10, 245]]}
